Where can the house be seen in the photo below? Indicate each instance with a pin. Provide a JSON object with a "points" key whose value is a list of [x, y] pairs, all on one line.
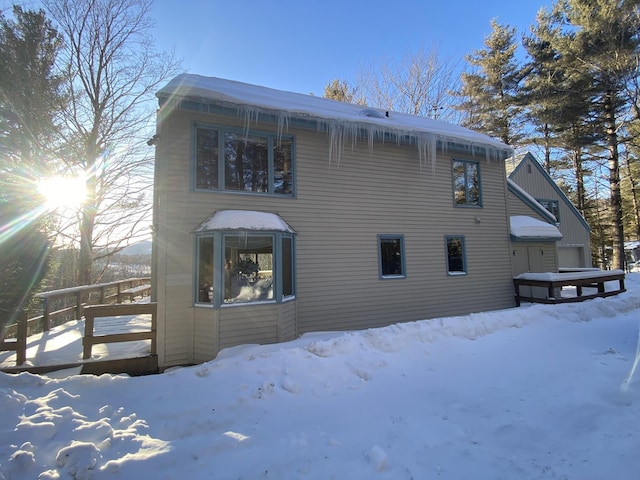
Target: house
{"points": [[277, 213], [574, 248]]}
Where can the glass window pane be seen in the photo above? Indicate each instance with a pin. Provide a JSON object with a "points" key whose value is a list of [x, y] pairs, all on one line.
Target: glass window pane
{"points": [[248, 268], [459, 186], [205, 270], [246, 163], [282, 171], [206, 158], [287, 266], [391, 256], [455, 254], [473, 185]]}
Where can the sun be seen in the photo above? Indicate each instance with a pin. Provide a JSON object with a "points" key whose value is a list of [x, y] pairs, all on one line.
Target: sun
{"points": [[62, 192]]}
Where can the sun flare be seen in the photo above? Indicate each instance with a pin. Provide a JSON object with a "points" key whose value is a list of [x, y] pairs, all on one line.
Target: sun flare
{"points": [[62, 192]]}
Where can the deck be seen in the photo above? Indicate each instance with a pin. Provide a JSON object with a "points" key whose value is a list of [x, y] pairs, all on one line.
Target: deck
{"points": [[86, 329], [552, 284]]}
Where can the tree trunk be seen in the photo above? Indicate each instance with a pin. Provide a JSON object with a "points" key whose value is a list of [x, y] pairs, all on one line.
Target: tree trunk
{"points": [[88, 220], [634, 199], [614, 182], [579, 172]]}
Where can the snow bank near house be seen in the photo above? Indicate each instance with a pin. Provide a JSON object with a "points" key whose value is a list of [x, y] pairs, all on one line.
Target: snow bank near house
{"points": [[543, 391]]}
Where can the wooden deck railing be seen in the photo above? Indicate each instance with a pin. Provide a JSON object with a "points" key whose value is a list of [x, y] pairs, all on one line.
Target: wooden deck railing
{"points": [[60, 306], [95, 311]]}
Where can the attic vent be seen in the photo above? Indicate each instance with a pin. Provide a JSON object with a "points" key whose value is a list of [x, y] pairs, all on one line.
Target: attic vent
{"points": [[370, 112]]}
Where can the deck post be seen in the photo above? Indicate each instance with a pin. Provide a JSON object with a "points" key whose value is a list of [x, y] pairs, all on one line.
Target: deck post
{"points": [[21, 339], [87, 340], [78, 304], [46, 321]]}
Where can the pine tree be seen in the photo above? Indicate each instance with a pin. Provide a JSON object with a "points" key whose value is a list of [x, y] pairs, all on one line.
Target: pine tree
{"points": [[490, 92], [558, 101], [339, 90], [28, 89], [602, 38]]}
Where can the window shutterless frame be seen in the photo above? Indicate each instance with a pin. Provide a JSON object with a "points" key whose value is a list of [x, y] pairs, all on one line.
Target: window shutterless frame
{"points": [[466, 182], [232, 160], [276, 247], [391, 257], [456, 255]]}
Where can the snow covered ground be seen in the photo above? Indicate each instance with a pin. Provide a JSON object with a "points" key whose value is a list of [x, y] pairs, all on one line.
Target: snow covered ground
{"points": [[537, 392]]}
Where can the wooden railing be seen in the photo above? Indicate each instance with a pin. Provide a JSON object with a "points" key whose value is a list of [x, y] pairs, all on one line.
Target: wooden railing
{"points": [[60, 306], [553, 283], [95, 311]]}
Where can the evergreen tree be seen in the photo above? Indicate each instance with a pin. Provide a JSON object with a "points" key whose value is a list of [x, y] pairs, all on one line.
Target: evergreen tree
{"points": [[28, 89], [602, 38], [558, 101], [490, 91], [339, 90]]}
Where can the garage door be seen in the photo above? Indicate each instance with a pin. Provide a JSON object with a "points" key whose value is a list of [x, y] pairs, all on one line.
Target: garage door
{"points": [[570, 257]]}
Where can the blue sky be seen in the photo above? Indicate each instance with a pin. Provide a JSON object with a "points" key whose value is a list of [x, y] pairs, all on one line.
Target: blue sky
{"points": [[300, 45]]}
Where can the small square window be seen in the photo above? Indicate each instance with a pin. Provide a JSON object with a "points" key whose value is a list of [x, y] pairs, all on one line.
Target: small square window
{"points": [[456, 256], [391, 252], [551, 206]]}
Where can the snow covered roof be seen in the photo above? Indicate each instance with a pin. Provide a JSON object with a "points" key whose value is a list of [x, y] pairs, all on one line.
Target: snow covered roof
{"points": [[244, 220], [528, 199], [631, 245], [524, 227], [343, 121]]}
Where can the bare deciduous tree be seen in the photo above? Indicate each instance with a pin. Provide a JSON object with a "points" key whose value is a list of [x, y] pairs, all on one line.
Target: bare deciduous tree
{"points": [[420, 83], [113, 71]]}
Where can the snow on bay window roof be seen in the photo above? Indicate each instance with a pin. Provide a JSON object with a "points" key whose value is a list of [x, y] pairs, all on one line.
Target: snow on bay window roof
{"points": [[525, 227], [244, 220], [343, 121]]}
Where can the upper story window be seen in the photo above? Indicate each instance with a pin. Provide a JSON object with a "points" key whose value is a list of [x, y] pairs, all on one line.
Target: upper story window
{"points": [[466, 184], [551, 206], [230, 160]]}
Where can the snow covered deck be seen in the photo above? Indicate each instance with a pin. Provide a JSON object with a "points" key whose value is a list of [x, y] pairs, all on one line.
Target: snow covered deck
{"points": [[62, 347], [553, 283]]}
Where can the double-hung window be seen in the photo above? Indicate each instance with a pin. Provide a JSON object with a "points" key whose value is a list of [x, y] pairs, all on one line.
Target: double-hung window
{"points": [[466, 184], [252, 162]]}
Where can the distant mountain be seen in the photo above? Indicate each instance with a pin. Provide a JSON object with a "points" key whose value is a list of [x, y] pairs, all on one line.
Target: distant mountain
{"points": [[140, 248]]}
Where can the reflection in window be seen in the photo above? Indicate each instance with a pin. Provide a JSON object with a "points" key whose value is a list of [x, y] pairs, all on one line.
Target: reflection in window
{"points": [[248, 268], [206, 158], [466, 183], [205, 270], [552, 207], [244, 162], [391, 249], [456, 255]]}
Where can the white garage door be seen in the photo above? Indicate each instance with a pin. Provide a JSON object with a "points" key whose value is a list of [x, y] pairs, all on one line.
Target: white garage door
{"points": [[570, 257]]}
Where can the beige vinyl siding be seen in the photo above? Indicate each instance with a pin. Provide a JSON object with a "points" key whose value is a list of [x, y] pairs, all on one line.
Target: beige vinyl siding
{"points": [[338, 211], [573, 230], [518, 207]]}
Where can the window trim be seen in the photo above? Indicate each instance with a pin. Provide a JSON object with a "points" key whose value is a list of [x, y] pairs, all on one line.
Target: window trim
{"points": [[453, 183], [219, 236], [464, 271], [272, 141], [403, 255], [541, 201]]}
